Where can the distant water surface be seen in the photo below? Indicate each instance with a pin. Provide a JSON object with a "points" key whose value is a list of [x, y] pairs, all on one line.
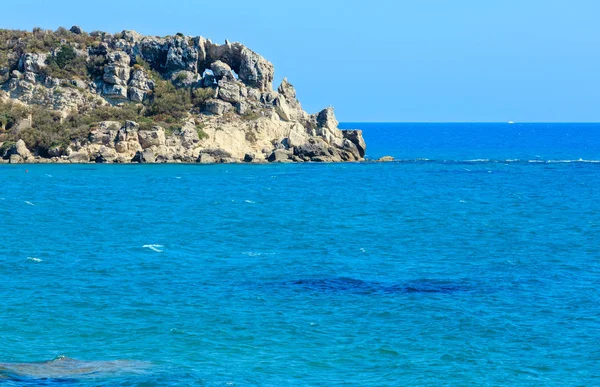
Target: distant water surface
{"points": [[442, 272], [495, 141]]}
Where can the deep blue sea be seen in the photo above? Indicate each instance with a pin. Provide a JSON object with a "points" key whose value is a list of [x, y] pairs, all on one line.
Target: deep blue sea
{"points": [[473, 261]]}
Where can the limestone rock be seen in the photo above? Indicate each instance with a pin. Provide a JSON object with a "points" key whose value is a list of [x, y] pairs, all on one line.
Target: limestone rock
{"points": [[279, 155], [117, 71], [283, 110], [385, 159], [20, 151], [115, 91], [139, 85], [206, 158], [287, 90], [142, 157], [153, 137], [32, 62], [255, 70], [15, 159], [181, 56], [105, 155], [229, 91], [315, 147], [189, 136], [222, 70], [79, 157], [105, 133], [356, 137], [326, 119], [217, 107], [154, 50], [211, 156]]}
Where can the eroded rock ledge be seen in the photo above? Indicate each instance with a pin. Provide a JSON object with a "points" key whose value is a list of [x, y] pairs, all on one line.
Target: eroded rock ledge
{"points": [[223, 105]]}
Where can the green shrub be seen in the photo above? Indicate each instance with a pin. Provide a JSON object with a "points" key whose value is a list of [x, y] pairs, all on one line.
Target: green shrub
{"points": [[95, 65], [200, 96], [65, 55], [142, 63], [65, 64], [168, 102], [201, 133], [11, 114]]}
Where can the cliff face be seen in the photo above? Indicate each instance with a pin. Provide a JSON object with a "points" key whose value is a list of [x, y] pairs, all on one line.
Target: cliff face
{"points": [[69, 96]]}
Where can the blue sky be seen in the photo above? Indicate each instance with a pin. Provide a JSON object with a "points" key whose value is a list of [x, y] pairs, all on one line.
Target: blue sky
{"points": [[386, 60]]}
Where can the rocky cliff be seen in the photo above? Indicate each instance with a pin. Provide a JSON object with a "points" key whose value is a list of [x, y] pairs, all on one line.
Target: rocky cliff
{"points": [[70, 96]]}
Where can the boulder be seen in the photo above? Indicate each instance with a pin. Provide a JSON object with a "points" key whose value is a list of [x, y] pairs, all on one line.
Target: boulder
{"points": [[279, 155], [217, 107], [18, 149], [142, 157], [139, 85], [314, 147], [210, 156], [386, 159], [153, 137], [229, 91], [287, 90], [356, 137], [206, 158], [326, 119], [32, 62], [282, 109], [189, 136], [115, 91], [105, 155], [117, 71], [15, 159], [242, 108], [105, 133], [79, 157], [21, 150], [222, 70], [76, 30], [297, 136]]}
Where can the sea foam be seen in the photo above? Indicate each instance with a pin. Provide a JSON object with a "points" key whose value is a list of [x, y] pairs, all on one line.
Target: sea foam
{"points": [[157, 248]]}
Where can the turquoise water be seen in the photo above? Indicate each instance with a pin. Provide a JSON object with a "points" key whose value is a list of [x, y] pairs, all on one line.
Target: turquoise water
{"points": [[444, 272]]}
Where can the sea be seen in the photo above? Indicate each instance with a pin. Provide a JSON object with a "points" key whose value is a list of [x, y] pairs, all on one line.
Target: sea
{"points": [[472, 260]]}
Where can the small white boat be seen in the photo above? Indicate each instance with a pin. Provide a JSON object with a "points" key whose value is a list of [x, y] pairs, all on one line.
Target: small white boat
{"points": [[511, 122]]}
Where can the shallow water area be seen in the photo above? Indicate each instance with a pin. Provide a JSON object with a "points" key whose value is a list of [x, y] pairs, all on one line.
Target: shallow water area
{"points": [[446, 271]]}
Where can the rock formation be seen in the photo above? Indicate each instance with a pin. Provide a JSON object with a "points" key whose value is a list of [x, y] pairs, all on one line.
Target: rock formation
{"points": [[163, 99]]}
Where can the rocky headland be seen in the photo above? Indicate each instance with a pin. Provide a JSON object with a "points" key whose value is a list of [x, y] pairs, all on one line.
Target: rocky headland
{"points": [[68, 96]]}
